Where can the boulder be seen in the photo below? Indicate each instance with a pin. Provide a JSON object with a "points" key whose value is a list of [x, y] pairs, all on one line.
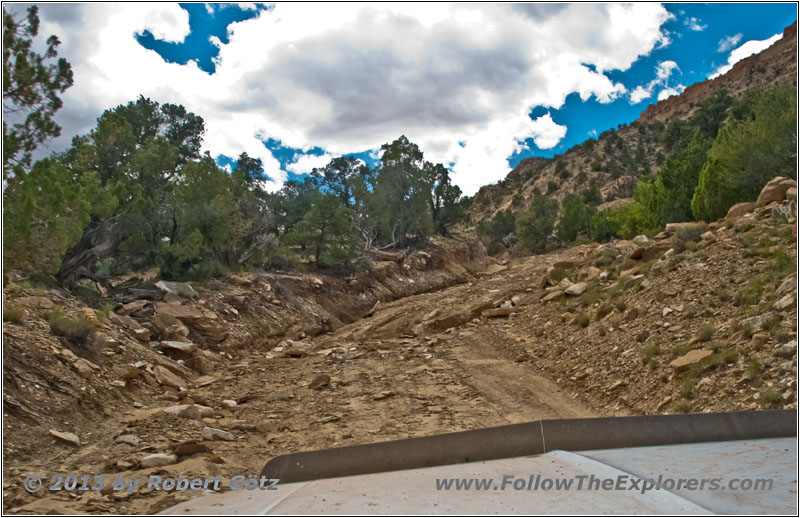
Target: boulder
{"points": [[552, 296], [181, 289], [185, 411], [787, 286], [636, 253], [169, 327], [656, 250], [740, 209], [214, 434], [178, 350], [158, 459], [67, 437], [85, 368], [130, 439], [142, 334], [641, 240], [775, 190], [240, 281], [576, 289], [785, 302], [690, 358], [758, 321], [497, 312], [167, 378], [204, 322]]}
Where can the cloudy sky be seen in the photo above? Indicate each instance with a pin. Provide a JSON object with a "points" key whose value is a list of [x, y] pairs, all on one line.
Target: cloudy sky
{"points": [[478, 86]]}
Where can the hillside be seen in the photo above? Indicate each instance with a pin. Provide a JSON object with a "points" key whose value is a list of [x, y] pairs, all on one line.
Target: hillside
{"points": [[619, 157], [216, 378]]}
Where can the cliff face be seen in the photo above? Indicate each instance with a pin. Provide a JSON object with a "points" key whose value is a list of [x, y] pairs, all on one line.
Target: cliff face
{"points": [[618, 158]]}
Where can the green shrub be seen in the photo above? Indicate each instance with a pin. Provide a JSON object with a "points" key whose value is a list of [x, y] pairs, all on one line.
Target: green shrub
{"points": [[706, 332], [534, 226], [583, 319], [12, 314], [74, 329], [685, 235]]}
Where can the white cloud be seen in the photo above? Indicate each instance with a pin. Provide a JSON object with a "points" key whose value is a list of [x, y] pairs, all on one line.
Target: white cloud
{"points": [[694, 24], [728, 42], [546, 133], [745, 50], [350, 77], [664, 71], [305, 163], [669, 92]]}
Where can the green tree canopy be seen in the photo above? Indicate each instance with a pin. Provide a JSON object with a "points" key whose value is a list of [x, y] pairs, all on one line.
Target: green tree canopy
{"points": [[31, 84]]}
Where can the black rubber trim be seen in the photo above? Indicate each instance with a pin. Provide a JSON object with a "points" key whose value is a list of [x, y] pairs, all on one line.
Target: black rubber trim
{"points": [[532, 438]]}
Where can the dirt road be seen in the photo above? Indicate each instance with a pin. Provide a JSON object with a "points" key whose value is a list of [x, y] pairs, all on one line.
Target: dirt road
{"points": [[418, 366]]}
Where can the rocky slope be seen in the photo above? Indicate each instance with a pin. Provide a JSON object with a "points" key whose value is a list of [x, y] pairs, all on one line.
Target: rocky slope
{"points": [[619, 157], [216, 379]]}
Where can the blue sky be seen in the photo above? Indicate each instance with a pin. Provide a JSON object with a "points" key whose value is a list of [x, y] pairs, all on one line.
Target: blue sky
{"points": [[695, 52], [478, 86]]}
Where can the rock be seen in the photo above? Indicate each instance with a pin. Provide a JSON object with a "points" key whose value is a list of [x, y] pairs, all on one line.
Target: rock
{"points": [[775, 190], [169, 327], [785, 302], [641, 240], [690, 358], [383, 395], [740, 209], [707, 236], [642, 336], [130, 439], [185, 411], [294, 348], [666, 311], [85, 368], [158, 459], [178, 350], [214, 434], [588, 273], [758, 321], [604, 309], [497, 312], [167, 378], [614, 385], [142, 334], [787, 366], [67, 437], [664, 402], [552, 296], [789, 349], [636, 253], [240, 281], [576, 289], [758, 339], [181, 289], [228, 403], [787, 286], [205, 411], [632, 315], [204, 322], [195, 362], [132, 307], [791, 193], [183, 449], [319, 382], [656, 250]]}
